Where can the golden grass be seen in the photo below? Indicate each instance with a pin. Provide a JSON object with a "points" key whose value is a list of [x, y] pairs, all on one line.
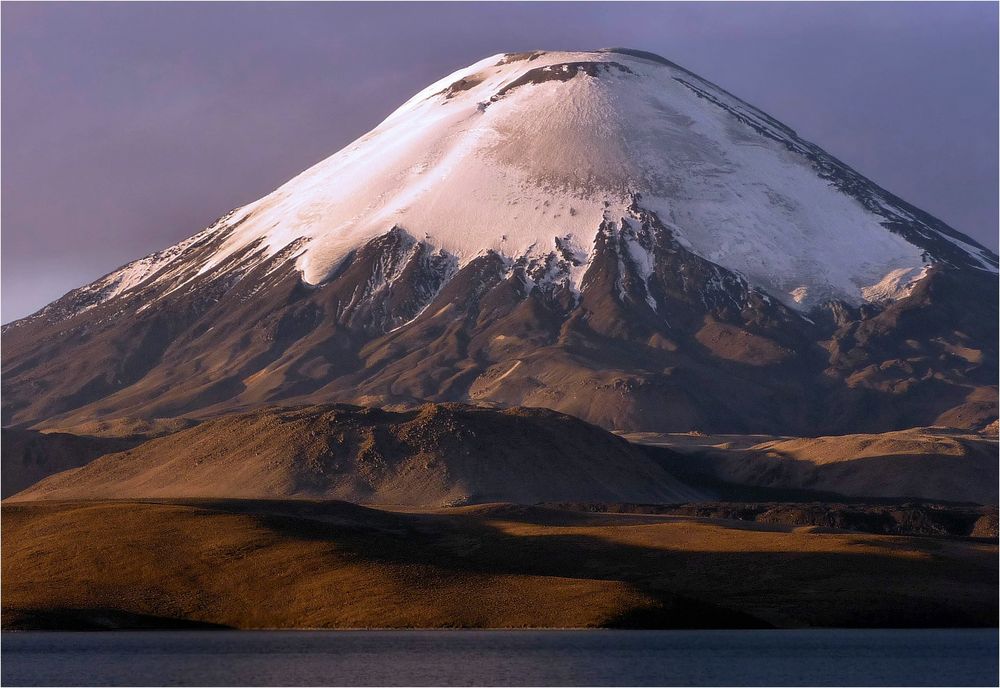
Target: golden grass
{"points": [[253, 564]]}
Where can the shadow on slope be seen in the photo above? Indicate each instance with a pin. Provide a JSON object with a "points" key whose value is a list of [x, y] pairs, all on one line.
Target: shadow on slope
{"points": [[315, 564]]}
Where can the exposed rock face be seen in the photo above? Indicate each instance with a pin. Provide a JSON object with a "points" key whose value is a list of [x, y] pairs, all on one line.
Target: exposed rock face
{"points": [[434, 456], [604, 234]]}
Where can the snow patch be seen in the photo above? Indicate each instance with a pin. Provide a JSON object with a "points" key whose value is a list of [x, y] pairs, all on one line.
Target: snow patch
{"points": [[895, 285]]}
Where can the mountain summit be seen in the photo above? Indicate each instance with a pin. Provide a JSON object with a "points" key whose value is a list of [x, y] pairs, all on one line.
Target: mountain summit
{"points": [[603, 233]]}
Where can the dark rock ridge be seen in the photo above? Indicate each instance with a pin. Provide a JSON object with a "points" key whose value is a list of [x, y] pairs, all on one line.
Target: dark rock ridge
{"points": [[691, 345], [558, 72]]}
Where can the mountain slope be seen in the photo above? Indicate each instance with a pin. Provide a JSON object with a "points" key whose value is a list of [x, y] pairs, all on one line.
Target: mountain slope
{"points": [[601, 233], [433, 456]]}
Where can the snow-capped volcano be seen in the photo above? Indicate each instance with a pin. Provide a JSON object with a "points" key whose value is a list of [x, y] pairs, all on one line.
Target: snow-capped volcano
{"points": [[524, 154], [620, 193]]}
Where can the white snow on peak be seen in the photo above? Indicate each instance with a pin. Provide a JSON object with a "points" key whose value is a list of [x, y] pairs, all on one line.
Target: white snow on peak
{"points": [[516, 151], [895, 285]]}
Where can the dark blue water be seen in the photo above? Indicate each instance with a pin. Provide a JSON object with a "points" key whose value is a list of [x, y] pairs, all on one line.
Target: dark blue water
{"points": [[454, 658]]}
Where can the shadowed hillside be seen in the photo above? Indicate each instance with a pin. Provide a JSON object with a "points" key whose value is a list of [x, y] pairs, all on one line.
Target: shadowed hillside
{"points": [[30, 455]]}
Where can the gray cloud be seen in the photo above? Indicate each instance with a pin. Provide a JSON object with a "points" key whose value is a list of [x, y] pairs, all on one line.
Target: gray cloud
{"points": [[127, 127]]}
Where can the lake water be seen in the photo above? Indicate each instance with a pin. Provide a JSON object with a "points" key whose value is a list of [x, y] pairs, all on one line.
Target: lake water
{"points": [[454, 658]]}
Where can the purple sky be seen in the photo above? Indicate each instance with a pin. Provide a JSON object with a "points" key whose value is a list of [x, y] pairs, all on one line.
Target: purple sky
{"points": [[127, 127]]}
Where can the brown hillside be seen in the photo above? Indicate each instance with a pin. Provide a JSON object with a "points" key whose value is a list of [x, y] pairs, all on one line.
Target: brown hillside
{"points": [[434, 455], [936, 464]]}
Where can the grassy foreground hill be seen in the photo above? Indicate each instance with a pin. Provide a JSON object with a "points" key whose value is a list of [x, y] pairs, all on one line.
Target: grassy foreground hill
{"points": [[310, 564]]}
